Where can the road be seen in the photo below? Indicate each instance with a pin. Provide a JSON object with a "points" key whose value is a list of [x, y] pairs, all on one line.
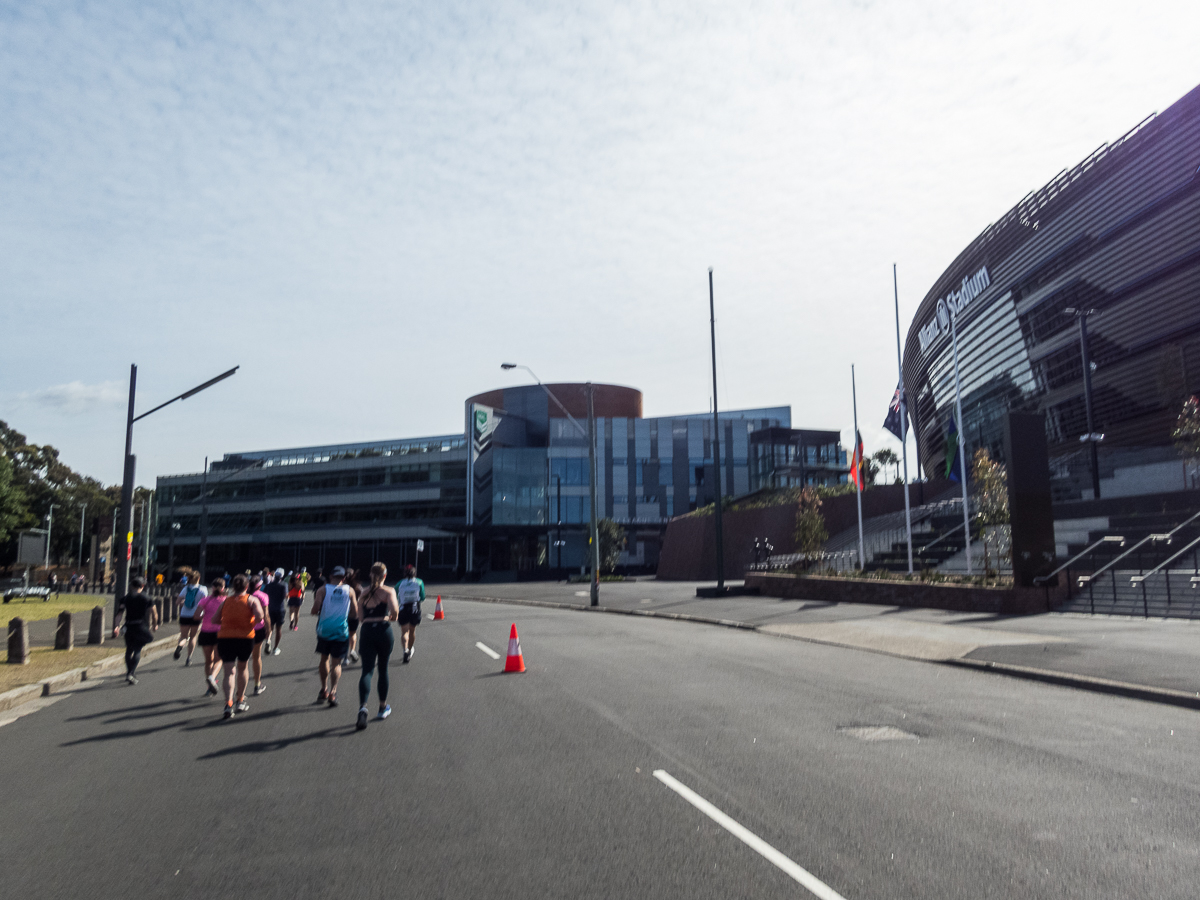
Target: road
{"points": [[542, 784]]}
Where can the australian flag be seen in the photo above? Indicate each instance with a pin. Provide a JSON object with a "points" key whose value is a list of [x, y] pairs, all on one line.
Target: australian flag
{"points": [[896, 421]]}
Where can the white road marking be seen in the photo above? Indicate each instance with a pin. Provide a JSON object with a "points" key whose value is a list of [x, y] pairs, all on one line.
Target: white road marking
{"points": [[801, 875], [429, 616], [486, 649], [583, 593]]}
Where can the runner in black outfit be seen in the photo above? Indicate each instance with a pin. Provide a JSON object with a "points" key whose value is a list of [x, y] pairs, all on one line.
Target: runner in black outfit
{"points": [[137, 609], [377, 609]]}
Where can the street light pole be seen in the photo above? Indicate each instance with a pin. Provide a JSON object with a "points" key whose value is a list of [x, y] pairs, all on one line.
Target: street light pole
{"points": [[49, 531], [591, 408], [1091, 437], [204, 522], [590, 435], [558, 516], [712, 324], [82, 516], [126, 530]]}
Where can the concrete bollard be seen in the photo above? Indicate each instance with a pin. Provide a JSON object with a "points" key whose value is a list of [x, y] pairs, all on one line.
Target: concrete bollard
{"points": [[64, 634], [18, 642], [96, 627]]}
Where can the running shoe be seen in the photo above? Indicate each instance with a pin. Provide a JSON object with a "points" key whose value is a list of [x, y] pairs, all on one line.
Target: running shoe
{"points": [[333, 700], [229, 710], [243, 706], [178, 650], [405, 658], [323, 696], [211, 690], [362, 719], [354, 657], [259, 688], [129, 679], [187, 660], [275, 652], [384, 712], [411, 651]]}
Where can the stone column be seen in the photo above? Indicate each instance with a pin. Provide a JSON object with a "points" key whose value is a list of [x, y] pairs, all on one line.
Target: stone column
{"points": [[64, 635], [96, 627], [18, 642]]}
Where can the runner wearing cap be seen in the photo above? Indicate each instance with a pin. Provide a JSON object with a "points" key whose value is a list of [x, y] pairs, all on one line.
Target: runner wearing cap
{"points": [[331, 606], [410, 592], [189, 598], [277, 593]]}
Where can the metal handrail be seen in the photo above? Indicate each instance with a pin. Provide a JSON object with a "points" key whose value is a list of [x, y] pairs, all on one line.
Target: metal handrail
{"points": [[942, 537], [1136, 579], [1112, 538], [1083, 579], [1151, 537]]}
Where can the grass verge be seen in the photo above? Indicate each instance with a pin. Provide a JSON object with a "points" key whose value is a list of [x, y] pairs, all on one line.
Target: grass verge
{"points": [[45, 662], [33, 609]]}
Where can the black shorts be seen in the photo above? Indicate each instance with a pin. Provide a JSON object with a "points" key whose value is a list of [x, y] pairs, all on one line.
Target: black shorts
{"points": [[137, 636], [352, 624], [230, 649], [207, 639], [327, 647], [188, 620], [260, 634], [295, 602], [276, 613], [410, 615]]}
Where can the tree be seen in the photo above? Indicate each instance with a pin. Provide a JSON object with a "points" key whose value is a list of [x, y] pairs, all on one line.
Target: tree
{"points": [[612, 542], [989, 480], [885, 458], [13, 512], [811, 533], [1187, 433]]}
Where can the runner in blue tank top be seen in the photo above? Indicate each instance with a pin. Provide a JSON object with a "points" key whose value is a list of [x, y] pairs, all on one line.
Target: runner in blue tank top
{"points": [[331, 606], [410, 591]]}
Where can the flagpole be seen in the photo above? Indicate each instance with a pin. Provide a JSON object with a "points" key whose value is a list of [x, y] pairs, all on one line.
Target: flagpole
{"points": [[856, 461], [962, 451], [903, 421]]}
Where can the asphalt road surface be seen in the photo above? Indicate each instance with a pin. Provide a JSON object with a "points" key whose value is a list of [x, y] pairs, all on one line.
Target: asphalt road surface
{"points": [[880, 777]]}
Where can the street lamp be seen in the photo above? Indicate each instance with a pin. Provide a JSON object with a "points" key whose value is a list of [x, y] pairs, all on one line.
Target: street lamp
{"points": [[126, 533], [82, 516], [1092, 438], [590, 435], [49, 529]]}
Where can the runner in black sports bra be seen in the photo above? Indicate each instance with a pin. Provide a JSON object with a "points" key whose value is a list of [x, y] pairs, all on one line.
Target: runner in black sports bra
{"points": [[377, 609]]}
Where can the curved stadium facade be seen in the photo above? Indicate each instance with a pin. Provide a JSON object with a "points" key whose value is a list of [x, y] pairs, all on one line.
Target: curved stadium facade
{"points": [[1119, 234]]}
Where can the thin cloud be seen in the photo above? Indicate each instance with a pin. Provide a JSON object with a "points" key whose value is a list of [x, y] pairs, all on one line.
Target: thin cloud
{"points": [[75, 397]]}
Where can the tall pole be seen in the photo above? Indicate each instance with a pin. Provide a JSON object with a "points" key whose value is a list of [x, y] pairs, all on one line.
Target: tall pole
{"points": [[123, 540], [82, 516], [962, 444], [1087, 398], [49, 531], [856, 461], [903, 421], [204, 522], [591, 409], [712, 327], [149, 514], [171, 543], [558, 517]]}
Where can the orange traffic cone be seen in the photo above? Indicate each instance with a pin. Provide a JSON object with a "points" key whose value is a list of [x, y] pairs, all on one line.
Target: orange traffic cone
{"points": [[515, 661], [437, 610]]}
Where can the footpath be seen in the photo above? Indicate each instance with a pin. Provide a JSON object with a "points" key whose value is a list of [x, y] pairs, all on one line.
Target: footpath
{"points": [[1149, 659]]}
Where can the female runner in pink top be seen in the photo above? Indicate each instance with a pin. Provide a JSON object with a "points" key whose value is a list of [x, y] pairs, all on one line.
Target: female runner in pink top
{"points": [[206, 611]]}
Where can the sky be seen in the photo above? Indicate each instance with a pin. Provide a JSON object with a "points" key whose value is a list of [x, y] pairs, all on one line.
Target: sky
{"points": [[370, 206]]}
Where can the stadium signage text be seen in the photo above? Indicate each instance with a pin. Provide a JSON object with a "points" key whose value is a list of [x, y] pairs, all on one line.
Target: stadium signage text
{"points": [[951, 305]]}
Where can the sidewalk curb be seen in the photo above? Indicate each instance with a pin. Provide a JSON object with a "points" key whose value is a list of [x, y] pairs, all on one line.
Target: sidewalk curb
{"points": [[1091, 683], [56, 683], [1144, 692]]}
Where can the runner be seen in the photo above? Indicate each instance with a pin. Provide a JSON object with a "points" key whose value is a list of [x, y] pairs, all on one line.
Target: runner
{"points": [[238, 618], [410, 591], [137, 608], [331, 606], [295, 600], [277, 593], [377, 609], [189, 598], [261, 631], [352, 620], [206, 614]]}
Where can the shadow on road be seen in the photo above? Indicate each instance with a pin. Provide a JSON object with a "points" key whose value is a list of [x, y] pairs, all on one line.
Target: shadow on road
{"points": [[130, 711], [280, 743]]}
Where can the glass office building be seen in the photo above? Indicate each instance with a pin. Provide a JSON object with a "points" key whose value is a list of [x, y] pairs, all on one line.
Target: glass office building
{"points": [[1117, 235], [511, 494]]}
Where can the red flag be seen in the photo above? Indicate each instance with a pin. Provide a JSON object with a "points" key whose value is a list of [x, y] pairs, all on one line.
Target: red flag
{"points": [[856, 462]]}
